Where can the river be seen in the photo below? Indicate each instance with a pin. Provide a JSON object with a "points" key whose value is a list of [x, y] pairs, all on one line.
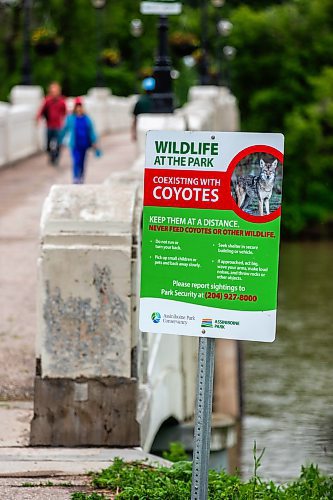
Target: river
{"points": [[288, 389]]}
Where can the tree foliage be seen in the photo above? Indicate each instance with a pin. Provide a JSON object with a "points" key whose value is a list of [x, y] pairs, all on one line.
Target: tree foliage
{"points": [[283, 80], [282, 75]]}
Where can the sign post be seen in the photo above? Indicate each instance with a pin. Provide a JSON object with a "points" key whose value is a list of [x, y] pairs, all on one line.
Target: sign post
{"points": [[203, 417], [211, 230]]}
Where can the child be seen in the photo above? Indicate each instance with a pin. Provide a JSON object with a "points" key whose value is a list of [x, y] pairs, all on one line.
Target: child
{"points": [[82, 136]]}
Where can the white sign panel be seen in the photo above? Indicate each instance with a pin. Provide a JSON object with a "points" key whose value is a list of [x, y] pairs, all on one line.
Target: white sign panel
{"points": [[211, 229], [161, 8]]}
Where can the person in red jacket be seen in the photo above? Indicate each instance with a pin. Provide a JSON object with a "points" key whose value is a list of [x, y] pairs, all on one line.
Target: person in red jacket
{"points": [[54, 111]]}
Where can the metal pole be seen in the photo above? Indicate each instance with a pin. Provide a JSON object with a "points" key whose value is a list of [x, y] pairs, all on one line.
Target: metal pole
{"points": [[163, 96], [202, 429], [203, 65], [99, 74], [26, 65]]}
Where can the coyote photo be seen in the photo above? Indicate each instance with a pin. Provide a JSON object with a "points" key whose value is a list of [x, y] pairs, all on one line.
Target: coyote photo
{"points": [[251, 187]]}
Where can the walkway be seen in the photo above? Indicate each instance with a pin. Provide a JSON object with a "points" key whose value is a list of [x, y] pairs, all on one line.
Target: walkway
{"points": [[23, 188]]}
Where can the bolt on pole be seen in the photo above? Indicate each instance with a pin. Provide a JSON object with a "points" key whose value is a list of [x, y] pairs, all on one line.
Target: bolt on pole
{"points": [[203, 417]]}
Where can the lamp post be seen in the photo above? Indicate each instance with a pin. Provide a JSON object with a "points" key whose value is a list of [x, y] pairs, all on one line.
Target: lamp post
{"points": [[26, 63], [136, 29], [203, 63], [224, 28], [163, 95], [229, 53], [98, 6]]}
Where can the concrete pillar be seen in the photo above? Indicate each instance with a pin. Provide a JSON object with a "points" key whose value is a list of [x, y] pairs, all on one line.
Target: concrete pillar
{"points": [[120, 112], [4, 108], [96, 103], [22, 132], [203, 93], [157, 122], [84, 391], [30, 95], [199, 115], [227, 117], [227, 397], [212, 108]]}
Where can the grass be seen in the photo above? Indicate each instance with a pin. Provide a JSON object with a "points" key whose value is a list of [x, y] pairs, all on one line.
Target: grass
{"points": [[46, 484], [140, 481]]}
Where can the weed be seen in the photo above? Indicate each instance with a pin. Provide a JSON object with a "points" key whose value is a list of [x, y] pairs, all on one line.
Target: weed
{"points": [[139, 481], [176, 453], [47, 484], [88, 496]]}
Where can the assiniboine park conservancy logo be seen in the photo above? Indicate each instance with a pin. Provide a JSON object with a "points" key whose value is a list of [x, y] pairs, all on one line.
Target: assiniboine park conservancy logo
{"points": [[156, 317]]}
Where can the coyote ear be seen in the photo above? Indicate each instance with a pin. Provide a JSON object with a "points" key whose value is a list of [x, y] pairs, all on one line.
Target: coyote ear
{"points": [[262, 163], [274, 164]]}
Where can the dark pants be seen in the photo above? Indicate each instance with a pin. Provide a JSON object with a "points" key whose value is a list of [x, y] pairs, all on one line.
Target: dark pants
{"points": [[53, 146], [78, 156]]}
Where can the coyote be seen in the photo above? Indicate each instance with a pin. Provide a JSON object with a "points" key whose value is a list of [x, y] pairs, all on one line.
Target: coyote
{"points": [[261, 186]]}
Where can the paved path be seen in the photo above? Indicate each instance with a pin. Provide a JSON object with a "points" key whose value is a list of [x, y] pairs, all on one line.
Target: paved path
{"points": [[23, 188], [56, 473]]}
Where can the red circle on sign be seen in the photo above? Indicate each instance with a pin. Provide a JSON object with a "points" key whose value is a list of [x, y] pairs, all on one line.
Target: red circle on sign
{"points": [[233, 165]]}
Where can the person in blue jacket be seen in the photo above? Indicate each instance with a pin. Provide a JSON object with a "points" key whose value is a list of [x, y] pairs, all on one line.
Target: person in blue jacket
{"points": [[82, 136]]}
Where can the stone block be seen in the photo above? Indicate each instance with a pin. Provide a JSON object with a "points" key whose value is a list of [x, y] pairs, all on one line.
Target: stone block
{"points": [[22, 132], [4, 109], [157, 122], [85, 412], [86, 303], [99, 92], [85, 282], [203, 92], [30, 95]]}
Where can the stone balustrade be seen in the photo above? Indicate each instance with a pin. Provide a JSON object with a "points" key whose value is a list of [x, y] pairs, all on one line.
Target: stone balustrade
{"points": [[21, 136], [208, 108], [95, 369]]}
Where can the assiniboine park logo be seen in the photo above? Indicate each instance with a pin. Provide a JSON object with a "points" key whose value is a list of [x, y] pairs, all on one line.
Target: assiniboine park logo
{"points": [[156, 317], [206, 323]]}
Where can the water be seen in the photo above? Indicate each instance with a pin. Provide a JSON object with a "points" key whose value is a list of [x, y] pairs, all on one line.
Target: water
{"points": [[289, 384]]}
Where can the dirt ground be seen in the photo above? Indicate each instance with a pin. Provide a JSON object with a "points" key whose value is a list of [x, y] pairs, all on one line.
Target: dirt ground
{"points": [[23, 188]]}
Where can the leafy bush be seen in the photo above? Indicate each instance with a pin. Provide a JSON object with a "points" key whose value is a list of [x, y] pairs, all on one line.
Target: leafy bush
{"points": [[139, 481], [289, 89], [176, 453], [87, 496]]}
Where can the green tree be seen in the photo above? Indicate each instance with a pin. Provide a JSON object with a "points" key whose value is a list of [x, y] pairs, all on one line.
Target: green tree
{"points": [[283, 80]]}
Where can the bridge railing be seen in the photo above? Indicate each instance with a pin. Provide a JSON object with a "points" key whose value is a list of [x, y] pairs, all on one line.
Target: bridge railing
{"points": [[90, 350], [21, 136]]}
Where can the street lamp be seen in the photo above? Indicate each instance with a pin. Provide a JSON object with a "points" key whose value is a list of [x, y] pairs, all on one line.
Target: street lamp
{"points": [[222, 26], [98, 6], [229, 53], [203, 63], [224, 29], [217, 3], [26, 63], [136, 30], [163, 95]]}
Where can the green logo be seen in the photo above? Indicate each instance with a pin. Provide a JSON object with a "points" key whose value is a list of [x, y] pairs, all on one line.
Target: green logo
{"points": [[156, 317]]}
